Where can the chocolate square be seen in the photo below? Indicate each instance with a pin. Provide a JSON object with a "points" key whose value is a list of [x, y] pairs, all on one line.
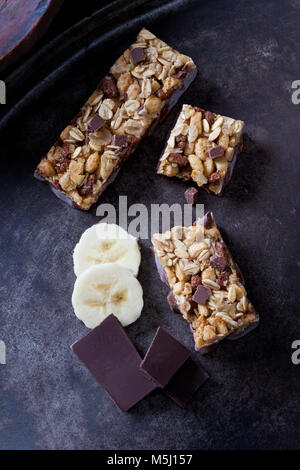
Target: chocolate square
{"points": [[186, 382], [113, 360], [137, 55], [163, 358], [201, 295], [96, 122]]}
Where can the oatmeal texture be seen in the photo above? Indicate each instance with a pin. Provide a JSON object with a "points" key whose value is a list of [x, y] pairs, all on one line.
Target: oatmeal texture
{"points": [[109, 126], [206, 283], [201, 147]]}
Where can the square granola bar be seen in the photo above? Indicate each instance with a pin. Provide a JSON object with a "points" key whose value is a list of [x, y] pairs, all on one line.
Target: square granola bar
{"points": [[202, 147], [139, 90], [207, 287]]}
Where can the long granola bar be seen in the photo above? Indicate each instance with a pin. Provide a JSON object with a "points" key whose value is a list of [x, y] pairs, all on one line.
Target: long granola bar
{"points": [[207, 287], [140, 89], [202, 147]]}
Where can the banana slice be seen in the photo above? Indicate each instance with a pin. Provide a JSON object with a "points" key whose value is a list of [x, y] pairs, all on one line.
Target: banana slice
{"points": [[104, 289], [106, 243]]}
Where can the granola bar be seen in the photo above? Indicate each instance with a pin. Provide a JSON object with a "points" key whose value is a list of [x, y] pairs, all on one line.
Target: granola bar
{"points": [[140, 89], [207, 287], [202, 147]]}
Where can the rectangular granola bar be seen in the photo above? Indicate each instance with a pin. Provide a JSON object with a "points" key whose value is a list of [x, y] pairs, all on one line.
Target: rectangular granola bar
{"points": [[207, 287], [140, 89], [202, 147]]}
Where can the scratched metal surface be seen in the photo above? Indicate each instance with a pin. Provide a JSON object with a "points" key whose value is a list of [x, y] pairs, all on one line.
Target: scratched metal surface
{"points": [[247, 54]]}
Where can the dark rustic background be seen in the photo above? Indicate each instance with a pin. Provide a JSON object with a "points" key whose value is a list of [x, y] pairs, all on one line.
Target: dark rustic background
{"points": [[248, 56]]}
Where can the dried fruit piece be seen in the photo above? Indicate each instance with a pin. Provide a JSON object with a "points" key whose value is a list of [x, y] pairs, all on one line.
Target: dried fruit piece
{"points": [[109, 86]]}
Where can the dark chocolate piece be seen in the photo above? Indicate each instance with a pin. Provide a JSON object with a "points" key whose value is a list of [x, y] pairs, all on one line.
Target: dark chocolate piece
{"points": [[223, 277], [181, 72], [186, 382], [215, 152], [163, 358], [186, 172], [180, 160], [124, 143], [196, 281], [109, 86], [216, 177], [172, 302], [137, 55], [218, 262], [191, 195], [210, 117], [96, 122], [208, 220], [201, 295], [119, 140], [113, 360], [87, 187]]}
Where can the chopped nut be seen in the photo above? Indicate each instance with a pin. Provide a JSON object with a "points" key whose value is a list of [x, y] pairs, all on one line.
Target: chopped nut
{"points": [[153, 104], [45, 168], [92, 162]]}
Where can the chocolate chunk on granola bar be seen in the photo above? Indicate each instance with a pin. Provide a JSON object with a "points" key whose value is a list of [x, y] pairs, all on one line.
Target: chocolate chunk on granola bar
{"points": [[201, 295], [218, 262], [95, 123], [137, 55], [180, 160], [215, 152]]}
